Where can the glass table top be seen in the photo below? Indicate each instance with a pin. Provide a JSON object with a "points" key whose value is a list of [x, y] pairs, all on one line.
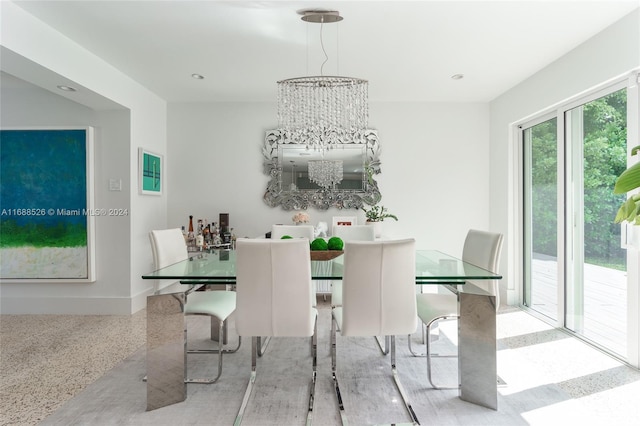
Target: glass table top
{"points": [[219, 266]]}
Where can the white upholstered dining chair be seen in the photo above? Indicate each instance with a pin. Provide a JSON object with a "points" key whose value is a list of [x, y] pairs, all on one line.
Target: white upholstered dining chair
{"points": [[481, 249], [169, 247], [275, 299], [378, 299], [295, 231], [348, 233], [353, 233]]}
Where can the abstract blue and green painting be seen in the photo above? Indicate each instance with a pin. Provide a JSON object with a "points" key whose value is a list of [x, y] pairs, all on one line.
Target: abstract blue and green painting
{"points": [[151, 176], [43, 203]]}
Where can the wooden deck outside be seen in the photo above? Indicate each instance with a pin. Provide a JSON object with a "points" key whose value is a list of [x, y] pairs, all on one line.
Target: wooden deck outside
{"points": [[605, 301]]}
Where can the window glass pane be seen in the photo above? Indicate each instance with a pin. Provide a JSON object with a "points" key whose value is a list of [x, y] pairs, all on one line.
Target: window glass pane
{"points": [[541, 201]]}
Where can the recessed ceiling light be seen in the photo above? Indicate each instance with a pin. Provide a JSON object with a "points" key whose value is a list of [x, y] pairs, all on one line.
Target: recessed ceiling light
{"points": [[197, 76], [67, 88], [457, 76]]}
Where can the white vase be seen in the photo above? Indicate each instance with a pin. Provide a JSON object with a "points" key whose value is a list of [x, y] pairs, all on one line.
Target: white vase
{"points": [[377, 228]]}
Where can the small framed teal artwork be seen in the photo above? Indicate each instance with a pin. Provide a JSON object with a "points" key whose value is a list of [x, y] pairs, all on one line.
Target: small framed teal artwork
{"points": [[151, 172], [46, 205]]}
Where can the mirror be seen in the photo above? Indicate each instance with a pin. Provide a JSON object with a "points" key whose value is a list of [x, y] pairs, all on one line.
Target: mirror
{"points": [[347, 182], [295, 161]]}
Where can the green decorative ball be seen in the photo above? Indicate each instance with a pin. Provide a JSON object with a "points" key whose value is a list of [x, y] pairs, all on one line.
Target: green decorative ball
{"points": [[286, 237], [319, 244], [335, 243]]}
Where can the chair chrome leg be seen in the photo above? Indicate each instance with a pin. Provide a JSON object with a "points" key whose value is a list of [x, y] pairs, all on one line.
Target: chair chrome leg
{"points": [[220, 351], [314, 339], [215, 351], [252, 380], [214, 330], [429, 360], [314, 343], [391, 347], [343, 414], [426, 336], [262, 347], [384, 349], [257, 350], [314, 358], [411, 349], [396, 378]]}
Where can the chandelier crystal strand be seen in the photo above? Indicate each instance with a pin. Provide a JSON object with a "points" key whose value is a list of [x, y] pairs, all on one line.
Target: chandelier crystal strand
{"points": [[322, 111], [326, 173]]}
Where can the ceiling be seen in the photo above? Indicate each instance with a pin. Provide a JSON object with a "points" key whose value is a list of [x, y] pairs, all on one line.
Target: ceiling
{"points": [[408, 50]]}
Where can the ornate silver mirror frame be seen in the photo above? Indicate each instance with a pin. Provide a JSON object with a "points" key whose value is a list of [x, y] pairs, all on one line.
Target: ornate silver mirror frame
{"points": [[293, 198]]}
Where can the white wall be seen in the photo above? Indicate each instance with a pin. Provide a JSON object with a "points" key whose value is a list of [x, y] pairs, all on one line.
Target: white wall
{"points": [[435, 168], [611, 53], [43, 48], [24, 105]]}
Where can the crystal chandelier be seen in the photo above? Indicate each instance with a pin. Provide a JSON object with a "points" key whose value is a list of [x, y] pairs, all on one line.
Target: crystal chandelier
{"points": [[326, 173], [323, 111]]}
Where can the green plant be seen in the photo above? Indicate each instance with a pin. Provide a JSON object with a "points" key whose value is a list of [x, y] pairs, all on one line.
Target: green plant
{"points": [[335, 243], [626, 182], [378, 214], [319, 244]]}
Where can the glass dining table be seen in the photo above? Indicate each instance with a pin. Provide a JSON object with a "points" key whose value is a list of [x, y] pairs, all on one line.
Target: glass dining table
{"points": [[477, 301], [219, 267]]}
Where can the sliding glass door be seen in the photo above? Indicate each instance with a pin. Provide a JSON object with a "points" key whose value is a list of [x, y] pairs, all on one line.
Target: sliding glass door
{"points": [[596, 285], [575, 267]]}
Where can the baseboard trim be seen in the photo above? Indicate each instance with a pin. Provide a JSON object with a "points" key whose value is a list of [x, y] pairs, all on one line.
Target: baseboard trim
{"points": [[66, 305]]}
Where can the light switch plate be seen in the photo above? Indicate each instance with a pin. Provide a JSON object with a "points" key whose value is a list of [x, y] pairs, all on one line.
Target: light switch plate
{"points": [[115, 184]]}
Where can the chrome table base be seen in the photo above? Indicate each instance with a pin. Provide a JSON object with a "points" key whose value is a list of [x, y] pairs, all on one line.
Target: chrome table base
{"points": [[166, 350], [477, 346]]}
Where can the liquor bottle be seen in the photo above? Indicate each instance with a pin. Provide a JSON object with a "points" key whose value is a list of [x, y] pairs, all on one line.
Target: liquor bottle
{"points": [[224, 223], [216, 235], [233, 240], [190, 235], [207, 233], [200, 241]]}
